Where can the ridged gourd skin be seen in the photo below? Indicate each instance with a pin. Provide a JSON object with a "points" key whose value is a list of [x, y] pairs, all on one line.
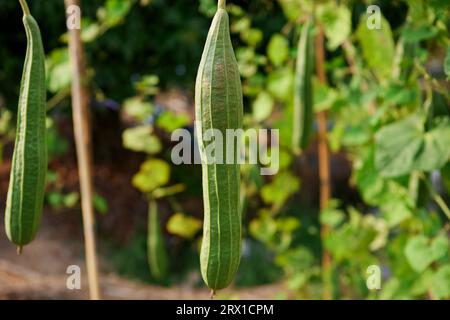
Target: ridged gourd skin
{"points": [[219, 105], [303, 95], [156, 248], [29, 165]]}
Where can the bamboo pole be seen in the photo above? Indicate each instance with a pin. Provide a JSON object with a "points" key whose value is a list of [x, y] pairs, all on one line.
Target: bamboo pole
{"points": [[324, 163], [80, 111]]}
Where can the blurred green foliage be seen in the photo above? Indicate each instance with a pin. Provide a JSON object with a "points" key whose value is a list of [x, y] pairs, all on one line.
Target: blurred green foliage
{"points": [[387, 100]]}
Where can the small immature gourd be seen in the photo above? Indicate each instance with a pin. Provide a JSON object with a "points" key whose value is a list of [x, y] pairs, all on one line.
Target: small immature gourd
{"points": [[29, 165], [219, 106], [156, 248], [303, 96]]}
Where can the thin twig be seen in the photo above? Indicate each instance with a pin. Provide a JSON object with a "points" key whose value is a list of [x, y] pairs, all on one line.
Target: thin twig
{"points": [[24, 5], [436, 196], [80, 102], [324, 160]]}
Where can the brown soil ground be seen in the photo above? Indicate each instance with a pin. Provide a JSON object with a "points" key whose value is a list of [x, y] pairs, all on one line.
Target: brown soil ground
{"points": [[40, 273]]}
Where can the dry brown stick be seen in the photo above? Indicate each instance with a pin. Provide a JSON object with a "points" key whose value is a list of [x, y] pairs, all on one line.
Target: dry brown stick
{"points": [[80, 103], [324, 158]]}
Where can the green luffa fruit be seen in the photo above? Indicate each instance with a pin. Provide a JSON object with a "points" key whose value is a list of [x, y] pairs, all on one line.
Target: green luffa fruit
{"points": [[303, 96], [219, 106], [156, 248], [29, 166]]}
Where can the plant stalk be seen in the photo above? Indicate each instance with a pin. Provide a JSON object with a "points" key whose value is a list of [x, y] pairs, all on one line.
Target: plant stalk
{"points": [[222, 4], [436, 196], [324, 166], [24, 5], [80, 111]]}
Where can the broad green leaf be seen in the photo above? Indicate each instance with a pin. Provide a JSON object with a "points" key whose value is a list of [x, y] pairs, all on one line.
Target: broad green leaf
{"points": [[332, 217], [59, 72], [293, 8], [89, 30], [278, 49], [170, 121], [440, 247], [141, 139], [263, 228], [183, 226], [114, 12], [137, 109], [71, 199], [153, 174], [280, 84], [404, 146], [337, 22], [252, 36], [413, 34], [324, 96], [241, 25], [262, 106], [440, 286], [378, 48], [419, 253], [280, 189]]}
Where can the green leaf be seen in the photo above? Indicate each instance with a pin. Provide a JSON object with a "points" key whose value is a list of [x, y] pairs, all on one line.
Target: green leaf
{"points": [[100, 204], [263, 228], [378, 48], [280, 84], [293, 8], [153, 174], [404, 146], [183, 226], [337, 23], [170, 121], [137, 108], [262, 106], [440, 247], [278, 49], [280, 189], [440, 286], [141, 139], [332, 217], [252, 37], [114, 12], [71, 199], [324, 96], [59, 72], [419, 253], [447, 63], [413, 34]]}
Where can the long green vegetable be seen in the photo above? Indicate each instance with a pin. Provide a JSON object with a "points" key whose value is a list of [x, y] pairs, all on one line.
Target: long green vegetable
{"points": [[219, 106], [303, 98], [29, 166], [156, 248]]}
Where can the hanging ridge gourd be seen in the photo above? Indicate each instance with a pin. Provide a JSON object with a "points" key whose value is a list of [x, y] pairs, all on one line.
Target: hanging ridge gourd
{"points": [[219, 106], [156, 249], [303, 94], [29, 165]]}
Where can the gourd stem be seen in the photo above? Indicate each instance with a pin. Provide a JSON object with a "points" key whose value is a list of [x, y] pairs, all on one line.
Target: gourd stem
{"points": [[436, 196], [222, 4], [24, 5]]}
